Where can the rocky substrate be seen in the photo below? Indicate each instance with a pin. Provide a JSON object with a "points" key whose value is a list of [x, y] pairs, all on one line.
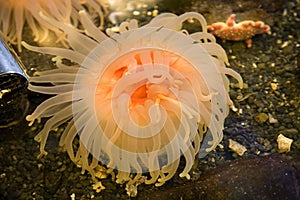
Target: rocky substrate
{"points": [[266, 107]]}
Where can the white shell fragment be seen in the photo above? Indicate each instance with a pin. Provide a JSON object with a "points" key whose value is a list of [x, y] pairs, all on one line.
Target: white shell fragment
{"points": [[237, 147], [284, 143], [272, 120]]}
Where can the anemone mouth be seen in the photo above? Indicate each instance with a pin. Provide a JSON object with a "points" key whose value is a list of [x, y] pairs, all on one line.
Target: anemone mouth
{"points": [[144, 97]]}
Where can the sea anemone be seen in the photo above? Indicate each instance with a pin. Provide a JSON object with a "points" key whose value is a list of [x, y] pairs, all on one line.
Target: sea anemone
{"points": [[139, 100], [14, 14]]}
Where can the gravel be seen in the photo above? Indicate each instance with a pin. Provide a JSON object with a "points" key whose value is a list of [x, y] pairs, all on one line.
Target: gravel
{"points": [[269, 106]]}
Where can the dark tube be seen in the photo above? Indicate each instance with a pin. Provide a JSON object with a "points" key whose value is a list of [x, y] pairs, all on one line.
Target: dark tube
{"points": [[13, 87]]}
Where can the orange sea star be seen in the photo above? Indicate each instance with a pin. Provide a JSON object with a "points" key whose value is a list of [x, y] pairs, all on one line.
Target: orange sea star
{"points": [[244, 30]]}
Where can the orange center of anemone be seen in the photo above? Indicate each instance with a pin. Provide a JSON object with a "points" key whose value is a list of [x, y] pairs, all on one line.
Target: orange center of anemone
{"points": [[121, 67], [144, 77], [139, 95]]}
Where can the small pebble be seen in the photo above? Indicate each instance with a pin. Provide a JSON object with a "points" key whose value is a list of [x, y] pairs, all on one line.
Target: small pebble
{"points": [[237, 147], [261, 118], [284, 143], [272, 120]]}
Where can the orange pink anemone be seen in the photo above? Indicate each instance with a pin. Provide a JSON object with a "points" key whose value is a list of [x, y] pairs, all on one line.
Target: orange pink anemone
{"points": [[15, 13], [139, 100]]}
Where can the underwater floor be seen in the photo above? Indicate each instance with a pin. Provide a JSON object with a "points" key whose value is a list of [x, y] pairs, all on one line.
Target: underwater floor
{"points": [[269, 105]]}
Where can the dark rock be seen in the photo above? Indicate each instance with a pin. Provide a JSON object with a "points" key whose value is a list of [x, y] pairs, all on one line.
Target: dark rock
{"points": [[52, 181], [268, 177]]}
